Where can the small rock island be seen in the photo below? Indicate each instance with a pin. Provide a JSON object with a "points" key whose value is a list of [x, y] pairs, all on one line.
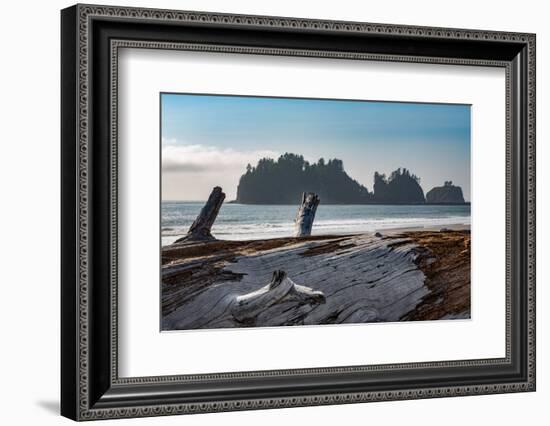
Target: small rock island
{"points": [[446, 194]]}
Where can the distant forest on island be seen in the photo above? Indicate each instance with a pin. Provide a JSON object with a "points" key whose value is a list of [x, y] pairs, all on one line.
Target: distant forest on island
{"points": [[283, 181]]}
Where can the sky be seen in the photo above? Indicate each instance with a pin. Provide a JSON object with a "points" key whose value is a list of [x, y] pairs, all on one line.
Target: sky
{"points": [[207, 140]]}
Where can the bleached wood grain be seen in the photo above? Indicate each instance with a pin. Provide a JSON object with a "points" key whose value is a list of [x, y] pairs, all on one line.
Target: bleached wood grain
{"points": [[363, 278]]}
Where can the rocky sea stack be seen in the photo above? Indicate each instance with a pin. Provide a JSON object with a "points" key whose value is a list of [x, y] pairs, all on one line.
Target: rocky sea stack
{"points": [[283, 181], [402, 187], [446, 194]]}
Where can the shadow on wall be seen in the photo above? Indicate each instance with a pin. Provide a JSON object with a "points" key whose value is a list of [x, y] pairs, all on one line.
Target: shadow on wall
{"points": [[50, 406]]}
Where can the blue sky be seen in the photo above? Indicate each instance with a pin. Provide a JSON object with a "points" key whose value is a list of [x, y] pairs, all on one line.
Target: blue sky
{"points": [[209, 139]]}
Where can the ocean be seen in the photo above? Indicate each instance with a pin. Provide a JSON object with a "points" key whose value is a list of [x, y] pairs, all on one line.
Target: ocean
{"points": [[254, 222]]}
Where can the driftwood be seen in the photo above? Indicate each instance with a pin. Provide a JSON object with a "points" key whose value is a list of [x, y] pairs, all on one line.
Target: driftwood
{"points": [[361, 278], [281, 301], [200, 230], [306, 214]]}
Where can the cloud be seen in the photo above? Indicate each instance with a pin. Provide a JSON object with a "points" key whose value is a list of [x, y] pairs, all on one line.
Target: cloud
{"points": [[203, 158], [169, 141]]}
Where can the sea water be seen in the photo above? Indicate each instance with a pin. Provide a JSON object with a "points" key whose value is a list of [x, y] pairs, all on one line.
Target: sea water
{"points": [[253, 222]]}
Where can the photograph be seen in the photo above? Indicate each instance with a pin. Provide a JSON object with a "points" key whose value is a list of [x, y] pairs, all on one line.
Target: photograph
{"points": [[293, 211]]}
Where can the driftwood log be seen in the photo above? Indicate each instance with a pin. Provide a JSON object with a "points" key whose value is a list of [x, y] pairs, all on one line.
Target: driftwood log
{"points": [[306, 214], [360, 278], [200, 230], [280, 301]]}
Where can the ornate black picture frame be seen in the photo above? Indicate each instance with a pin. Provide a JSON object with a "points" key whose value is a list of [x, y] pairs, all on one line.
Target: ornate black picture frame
{"points": [[91, 36]]}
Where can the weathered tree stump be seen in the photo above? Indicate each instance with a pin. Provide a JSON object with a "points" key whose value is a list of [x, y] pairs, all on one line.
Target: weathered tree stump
{"points": [[306, 214], [282, 301], [200, 230]]}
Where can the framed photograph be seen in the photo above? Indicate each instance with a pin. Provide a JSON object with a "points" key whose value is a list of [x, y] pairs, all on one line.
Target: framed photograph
{"points": [[263, 212]]}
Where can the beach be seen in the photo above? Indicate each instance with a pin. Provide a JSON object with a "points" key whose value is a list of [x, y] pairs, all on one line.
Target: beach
{"points": [[405, 273], [251, 222]]}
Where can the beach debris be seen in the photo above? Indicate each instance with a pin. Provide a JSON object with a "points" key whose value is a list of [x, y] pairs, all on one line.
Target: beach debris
{"points": [[200, 230], [282, 301], [362, 278], [306, 214], [378, 235]]}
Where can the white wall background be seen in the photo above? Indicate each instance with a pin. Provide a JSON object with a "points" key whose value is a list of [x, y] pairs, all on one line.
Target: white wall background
{"points": [[29, 212]]}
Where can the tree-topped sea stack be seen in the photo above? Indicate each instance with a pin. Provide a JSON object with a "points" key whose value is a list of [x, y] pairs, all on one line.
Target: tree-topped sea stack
{"points": [[401, 187], [283, 181]]}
